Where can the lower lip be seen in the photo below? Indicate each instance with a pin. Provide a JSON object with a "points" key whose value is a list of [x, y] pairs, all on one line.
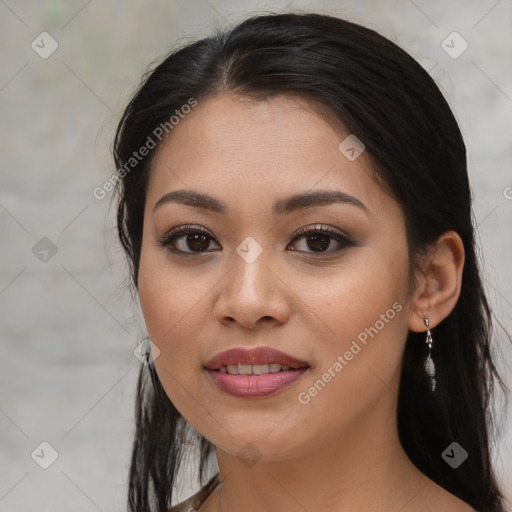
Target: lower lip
{"points": [[254, 386]]}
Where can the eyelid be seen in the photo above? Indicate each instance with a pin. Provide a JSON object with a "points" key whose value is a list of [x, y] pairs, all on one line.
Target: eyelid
{"points": [[186, 228], [314, 228]]}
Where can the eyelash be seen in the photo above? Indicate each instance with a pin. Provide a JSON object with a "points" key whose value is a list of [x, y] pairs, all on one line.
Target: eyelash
{"points": [[180, 231]]}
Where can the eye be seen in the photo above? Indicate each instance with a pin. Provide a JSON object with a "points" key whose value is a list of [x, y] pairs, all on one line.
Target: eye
{"points": [[318, 238], [189, 240], [196, 239]]}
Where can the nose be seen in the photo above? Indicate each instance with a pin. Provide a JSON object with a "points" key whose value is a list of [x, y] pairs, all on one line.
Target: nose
{"points": [[253, 294]]}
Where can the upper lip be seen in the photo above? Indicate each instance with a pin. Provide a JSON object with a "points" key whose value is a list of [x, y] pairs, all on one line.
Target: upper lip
{"points": [[258, 355]]}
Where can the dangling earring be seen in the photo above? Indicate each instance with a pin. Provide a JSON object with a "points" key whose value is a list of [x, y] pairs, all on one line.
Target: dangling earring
{"points": [[430, 367]]}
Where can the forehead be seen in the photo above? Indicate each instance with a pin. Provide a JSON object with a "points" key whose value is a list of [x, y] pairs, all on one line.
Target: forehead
{"points": [[257, 151]]}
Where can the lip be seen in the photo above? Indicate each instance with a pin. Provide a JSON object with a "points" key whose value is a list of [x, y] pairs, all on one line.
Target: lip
{"points": [[255, 386], [257, 355]]}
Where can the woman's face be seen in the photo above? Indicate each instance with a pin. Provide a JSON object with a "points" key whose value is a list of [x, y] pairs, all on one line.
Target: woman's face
{"points": [[339, 306]]}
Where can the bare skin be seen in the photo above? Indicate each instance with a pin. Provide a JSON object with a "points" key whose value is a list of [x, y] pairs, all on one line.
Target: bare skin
{"points": [[339, 451]]}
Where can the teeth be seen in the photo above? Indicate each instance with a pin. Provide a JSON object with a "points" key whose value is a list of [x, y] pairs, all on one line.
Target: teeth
{"points": [[259, 369], [253, 369], [244, 369]]}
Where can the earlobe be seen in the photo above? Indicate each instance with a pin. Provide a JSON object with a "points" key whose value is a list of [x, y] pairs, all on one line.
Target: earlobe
{"points": [[438, 289]]}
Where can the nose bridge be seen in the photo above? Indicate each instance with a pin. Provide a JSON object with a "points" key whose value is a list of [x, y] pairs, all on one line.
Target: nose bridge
{"points": [[249, 276], [251, 289]]}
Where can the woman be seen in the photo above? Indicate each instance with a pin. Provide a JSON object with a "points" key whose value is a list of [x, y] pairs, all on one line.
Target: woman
{"points": [[295, 209]]}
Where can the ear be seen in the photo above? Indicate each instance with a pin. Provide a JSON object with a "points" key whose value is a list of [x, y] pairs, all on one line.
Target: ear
{"points": [[438, 285]]}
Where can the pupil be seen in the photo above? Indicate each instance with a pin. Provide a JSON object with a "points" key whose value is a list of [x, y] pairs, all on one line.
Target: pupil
{"points": [[320, 242], [194, 242]]}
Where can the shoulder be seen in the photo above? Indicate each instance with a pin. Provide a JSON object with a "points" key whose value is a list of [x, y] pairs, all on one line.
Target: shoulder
{"points": [[193, 503], [441, 499]]}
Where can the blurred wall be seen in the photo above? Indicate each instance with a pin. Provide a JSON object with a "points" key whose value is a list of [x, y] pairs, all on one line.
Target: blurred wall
{"points": [[68, 323]]}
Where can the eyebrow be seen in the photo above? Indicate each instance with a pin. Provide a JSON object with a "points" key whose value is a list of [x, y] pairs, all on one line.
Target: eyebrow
{"points": [[281, 207]]}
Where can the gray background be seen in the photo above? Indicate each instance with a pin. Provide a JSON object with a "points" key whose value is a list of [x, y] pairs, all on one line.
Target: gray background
{"points": [[69, 325]]}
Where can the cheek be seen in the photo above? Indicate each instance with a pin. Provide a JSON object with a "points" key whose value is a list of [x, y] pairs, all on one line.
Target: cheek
{"points": [[168, 296], [170, 317], [365, 309], [355, 297], [171, 304]]}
